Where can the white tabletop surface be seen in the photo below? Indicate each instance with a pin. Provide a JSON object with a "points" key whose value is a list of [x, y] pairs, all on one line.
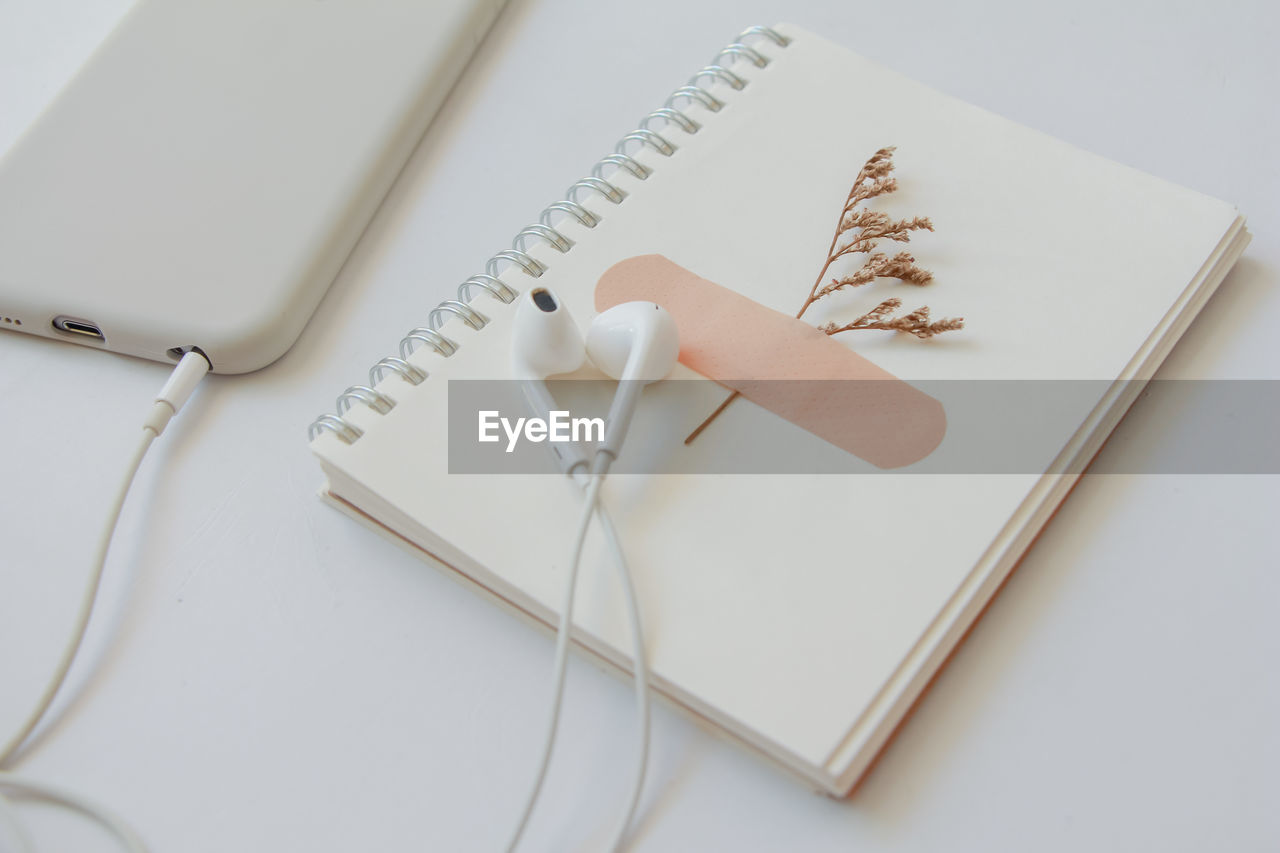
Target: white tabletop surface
{"points": [[264, 674]]}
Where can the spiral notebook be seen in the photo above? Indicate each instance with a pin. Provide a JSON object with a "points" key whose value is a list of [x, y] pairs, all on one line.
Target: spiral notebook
{"points": [[804, 613]]}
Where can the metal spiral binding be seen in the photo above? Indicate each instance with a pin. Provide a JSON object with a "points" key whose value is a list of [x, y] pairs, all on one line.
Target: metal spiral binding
{"points": [[611, 194], [622, 161], [646, 137], [411, 374], [671, 116], [553, 238], [577, 211], [768, 32], [438, 342], [380, 403], [752, 55], [527, 263], [545, 230], [336, 425], [693, 93], [498, 288], [469, 315], [719, 72]]}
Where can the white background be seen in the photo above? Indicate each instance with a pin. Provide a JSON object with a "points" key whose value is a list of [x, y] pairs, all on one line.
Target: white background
{"points": [[266, 675]]}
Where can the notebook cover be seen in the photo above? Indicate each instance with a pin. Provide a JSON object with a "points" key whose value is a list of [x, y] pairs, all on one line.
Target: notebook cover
{"points": [[804, 613]]}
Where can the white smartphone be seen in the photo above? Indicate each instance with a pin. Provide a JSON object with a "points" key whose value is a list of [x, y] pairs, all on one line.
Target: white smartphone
{"points": [[203, 177]]}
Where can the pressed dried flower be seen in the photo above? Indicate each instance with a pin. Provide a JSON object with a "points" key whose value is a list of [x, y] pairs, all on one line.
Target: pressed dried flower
{"points": [[865, 229]]}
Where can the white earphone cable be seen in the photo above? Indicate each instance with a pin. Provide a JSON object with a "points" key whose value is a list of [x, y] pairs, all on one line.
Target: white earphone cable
{"points": [[592, 506], [20, 841], [640, 662], [182, 381], [109, 821], [87, 600], [562, 657]]}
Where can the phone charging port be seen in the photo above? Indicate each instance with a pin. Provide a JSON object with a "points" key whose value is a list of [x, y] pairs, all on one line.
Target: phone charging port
{"points": [[72, 326]]}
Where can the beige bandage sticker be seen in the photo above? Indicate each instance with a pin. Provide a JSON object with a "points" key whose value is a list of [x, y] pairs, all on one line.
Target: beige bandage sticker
{"points": [[749, 347]]}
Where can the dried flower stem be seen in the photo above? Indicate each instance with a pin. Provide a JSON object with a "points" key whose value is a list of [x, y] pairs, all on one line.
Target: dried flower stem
{"points": [[916, 323], [711, 417], [868, 227]]}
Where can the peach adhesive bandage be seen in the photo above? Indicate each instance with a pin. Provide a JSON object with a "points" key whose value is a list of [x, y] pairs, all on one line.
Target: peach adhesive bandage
{"points": [[749, 348]]}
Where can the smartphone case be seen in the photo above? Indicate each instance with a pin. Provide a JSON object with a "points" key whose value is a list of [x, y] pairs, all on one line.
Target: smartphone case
{"points": [[204, 176]]}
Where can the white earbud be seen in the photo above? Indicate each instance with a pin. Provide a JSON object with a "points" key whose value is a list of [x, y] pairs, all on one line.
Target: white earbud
{"points": [[546, 341], [635, 343]]}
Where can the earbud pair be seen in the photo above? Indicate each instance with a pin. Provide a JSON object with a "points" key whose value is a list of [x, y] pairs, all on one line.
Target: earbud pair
{"points": [[635, 343]]}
